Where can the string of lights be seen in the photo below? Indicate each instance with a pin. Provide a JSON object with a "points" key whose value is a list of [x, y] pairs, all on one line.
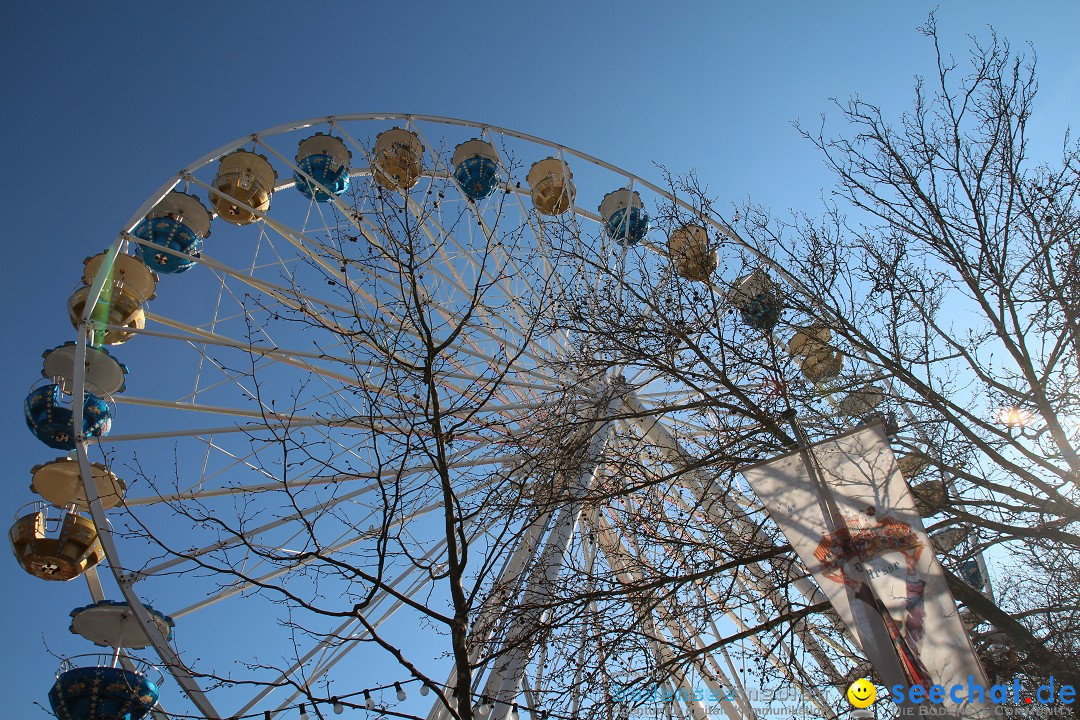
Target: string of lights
{"points": [[338, 704], [481, 710]]}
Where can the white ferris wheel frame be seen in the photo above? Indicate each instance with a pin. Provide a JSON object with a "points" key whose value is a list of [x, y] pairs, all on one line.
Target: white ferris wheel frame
{"points": [[505, 684]]}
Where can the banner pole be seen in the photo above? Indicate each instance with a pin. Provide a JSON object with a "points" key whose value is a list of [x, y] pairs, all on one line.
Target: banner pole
{"points": [[834, 520], [913, 669]]}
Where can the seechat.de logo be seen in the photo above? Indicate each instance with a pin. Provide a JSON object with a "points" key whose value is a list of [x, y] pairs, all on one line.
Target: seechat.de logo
{"points": [[974, 692]]}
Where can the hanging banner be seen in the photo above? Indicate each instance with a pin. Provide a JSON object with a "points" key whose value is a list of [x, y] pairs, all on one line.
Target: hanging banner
{"points": [[853, 523]]}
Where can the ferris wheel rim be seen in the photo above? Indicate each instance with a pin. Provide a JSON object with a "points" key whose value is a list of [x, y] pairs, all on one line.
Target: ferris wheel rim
{"points": [[437, 119], [125, 236]]}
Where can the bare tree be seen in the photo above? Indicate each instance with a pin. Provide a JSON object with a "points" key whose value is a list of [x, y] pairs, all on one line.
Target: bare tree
{"points": [[935, 294], [945, 269]]}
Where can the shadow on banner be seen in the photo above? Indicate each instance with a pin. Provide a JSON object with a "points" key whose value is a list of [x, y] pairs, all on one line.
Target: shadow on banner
{"points": [[846, 510]]}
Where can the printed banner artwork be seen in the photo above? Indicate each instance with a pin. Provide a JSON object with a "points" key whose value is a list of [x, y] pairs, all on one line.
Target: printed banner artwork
{"points": [[854, 525]]}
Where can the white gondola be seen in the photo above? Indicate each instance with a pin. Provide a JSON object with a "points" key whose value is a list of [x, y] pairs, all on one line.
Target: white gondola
{"points": [[688, 247], [552, 185], [398, 159], [243, 186]]}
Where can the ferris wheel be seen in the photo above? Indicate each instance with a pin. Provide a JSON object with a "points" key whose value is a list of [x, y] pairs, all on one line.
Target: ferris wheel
{"points": [[351, 389]]}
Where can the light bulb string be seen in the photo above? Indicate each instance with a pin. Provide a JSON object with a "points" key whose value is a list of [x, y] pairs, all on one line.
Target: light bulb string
{"points": [[446, 691]]}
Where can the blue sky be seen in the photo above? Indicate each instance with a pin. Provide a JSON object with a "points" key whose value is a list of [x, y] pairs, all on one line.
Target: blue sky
{"points": [[103, 101]]}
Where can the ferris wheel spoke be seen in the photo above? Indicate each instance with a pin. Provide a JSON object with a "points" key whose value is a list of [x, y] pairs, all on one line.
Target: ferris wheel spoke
{"points": [[199, 490], [287, 675], [265, 411], [375, 482], [617, 554], [420, 584], [757, 591], [296, 358], [503, 682], [298, 239], [390, 322], [696, 647], [547, 267], [335, 201], [460, 460], [370, 231], [490, 630], [194, 554], [236, 461], [213, 409], [684, 394], [338, 542], [786, 662], [745, 631], [268, 413], [279, 293], [453, 276], [327, 552], [433, 231], [253, 430], [709, 665], [264, 580], [283, 295], [493, 246], [230, 378], [738, 531], [470, 346]]}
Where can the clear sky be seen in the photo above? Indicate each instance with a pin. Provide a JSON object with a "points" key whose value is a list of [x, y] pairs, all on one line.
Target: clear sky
{"points": [[103, 101]]}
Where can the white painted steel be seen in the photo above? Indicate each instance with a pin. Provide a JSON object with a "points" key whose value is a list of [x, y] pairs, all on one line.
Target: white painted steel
{"points": [[519, 395]]}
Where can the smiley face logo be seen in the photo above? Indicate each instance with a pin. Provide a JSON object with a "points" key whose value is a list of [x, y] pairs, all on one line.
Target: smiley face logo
{"points": [[862, 693]]}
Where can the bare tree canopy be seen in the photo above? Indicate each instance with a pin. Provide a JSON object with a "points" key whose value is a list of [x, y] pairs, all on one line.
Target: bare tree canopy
{"points": [[946, 265]]}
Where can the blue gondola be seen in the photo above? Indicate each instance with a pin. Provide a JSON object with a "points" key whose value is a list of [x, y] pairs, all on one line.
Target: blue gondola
{"points": [[624, 216], [49, 416], [971, 573], [102, 693], [179, 222], [758, 300], [173, 235], [326, 160], [476, 168], [763, 311]]}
